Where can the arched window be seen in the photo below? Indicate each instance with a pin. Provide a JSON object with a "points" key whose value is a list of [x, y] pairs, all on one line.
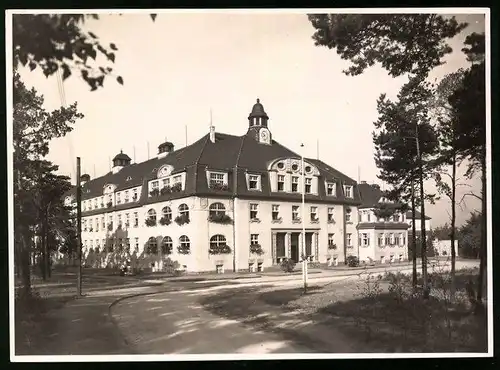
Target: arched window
{"points": [[167, 213], [152, 214], [152, 246], [166, 245], [217, 240], [217, 209], [184, 210], [184, 242]]}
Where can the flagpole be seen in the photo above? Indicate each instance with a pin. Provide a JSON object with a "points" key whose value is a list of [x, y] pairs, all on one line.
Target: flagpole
{"points": [[304, 256]]}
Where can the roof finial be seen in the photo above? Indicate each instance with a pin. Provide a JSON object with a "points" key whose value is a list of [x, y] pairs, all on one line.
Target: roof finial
{"points": [[258, 100], [121, 151]]}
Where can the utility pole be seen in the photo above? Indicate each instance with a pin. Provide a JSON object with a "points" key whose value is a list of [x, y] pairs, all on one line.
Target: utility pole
{"points": [[78, 229], [304, 250]]}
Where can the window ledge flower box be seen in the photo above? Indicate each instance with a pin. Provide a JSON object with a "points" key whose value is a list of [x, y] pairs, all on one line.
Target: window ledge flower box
{"points": [[110, 204], [315, 221], [165, 221], [218, 187], [91, 229], [256, 249], [102, 205], [220, 218], [296, 221], [331, 221], [219, 249], [255, 220], [150, 222], [183, 249], [154, 193], [332, 247], [182, 219], [110, 227], [277, 220]]}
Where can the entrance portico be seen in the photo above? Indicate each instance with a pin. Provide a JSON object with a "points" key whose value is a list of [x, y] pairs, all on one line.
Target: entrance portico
{"points": [[287, 243]]}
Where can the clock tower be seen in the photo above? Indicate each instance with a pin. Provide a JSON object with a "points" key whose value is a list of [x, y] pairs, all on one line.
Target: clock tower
{"points": [[257, 124]]}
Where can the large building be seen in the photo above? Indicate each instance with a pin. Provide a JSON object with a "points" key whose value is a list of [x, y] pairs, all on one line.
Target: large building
{"points": [[234, 202]]}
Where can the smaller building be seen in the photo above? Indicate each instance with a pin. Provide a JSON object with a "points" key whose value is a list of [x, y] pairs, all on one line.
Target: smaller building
{"points": [[418, 221], [443, 247], [382, 228]]}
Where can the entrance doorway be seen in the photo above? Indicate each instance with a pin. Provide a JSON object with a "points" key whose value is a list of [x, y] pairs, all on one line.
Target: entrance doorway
{"points": [[294, 246]]}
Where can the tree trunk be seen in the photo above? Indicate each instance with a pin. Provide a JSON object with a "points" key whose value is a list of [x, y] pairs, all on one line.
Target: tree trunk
{"points": [[422, 219], [41, 261], [453, 221], [47, 248], [482, 246], [413, 234], [25, 264]]}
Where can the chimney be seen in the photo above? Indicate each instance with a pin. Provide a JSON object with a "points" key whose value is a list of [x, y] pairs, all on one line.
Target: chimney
{"points": [[84, 179], [212, 134]]}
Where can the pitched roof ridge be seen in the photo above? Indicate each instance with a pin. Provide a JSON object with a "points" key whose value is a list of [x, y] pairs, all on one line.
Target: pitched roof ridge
{"points": [[197, 162], [328, 168]]}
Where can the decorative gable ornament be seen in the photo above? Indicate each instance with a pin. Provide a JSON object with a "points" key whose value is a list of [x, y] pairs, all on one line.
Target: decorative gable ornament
{"points": [[165, 171], [109, 188]]}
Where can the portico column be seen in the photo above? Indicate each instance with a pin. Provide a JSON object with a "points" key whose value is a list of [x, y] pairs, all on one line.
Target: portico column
{"points": [[316, 246], [288, 245], [273, 247]]}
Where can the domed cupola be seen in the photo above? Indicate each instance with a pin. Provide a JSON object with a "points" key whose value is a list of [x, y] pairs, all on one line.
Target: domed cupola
{"points": [[119, 161], [257, 124]]}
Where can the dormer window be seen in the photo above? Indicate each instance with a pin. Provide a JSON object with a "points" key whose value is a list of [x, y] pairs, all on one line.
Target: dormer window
{"points": [[281, 182], [129, 178], [330, 189], [295, 184], [308, 185], [118, 198], [348, 191], [154, 185], [216, 178], [134, 196], [253, 182]]}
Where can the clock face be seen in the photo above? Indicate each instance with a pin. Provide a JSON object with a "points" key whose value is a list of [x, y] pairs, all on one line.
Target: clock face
{"points": [[264, 136]]}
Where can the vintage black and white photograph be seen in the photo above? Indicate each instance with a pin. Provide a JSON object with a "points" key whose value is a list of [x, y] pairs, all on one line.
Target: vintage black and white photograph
{"points": [[249, 184]]}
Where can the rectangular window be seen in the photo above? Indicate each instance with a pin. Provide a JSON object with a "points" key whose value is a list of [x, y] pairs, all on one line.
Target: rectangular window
{"points": [[380, 239], [403, 239], [253, 182], [154, 185], [387, 239], [348, 216], [368, 216], [110, 198], [330, 189], [275, 211], [281, 182], [127, 220], [216, 178], [84, 206], [89, 205], [126, 197], [95, 203], [349, 239], [295, 213], [177, 179], [110, 219], [136, 247], [295, 184], [136, 219], [97, 224], [120, 221], [308, 185], [118, 198], [396, 217], [392, 238], [365, 239], [330, 214], [134, 196], [253, 211], [102, 202], [397, 240], [254, 239], [331, 238], [91, 224], [103, 224], [314, 214], [348, 191], [166, 183]]}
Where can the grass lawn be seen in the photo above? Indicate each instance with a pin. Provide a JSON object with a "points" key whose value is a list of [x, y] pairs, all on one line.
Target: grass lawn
{"points": [[381, 323]]}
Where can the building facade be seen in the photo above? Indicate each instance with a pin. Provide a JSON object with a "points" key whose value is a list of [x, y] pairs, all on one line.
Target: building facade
{"points": [[228, 202]]}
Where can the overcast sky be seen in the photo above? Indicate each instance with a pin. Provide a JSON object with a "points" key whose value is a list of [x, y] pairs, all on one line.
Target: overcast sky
{"points": [[178, 68]]}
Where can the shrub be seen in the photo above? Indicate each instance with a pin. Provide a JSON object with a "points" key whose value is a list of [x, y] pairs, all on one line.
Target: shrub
{"points": [[165, 221], [182, 219], [352, 261], [287, 265], [219, 249], [256, 249], [219, 218]]}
